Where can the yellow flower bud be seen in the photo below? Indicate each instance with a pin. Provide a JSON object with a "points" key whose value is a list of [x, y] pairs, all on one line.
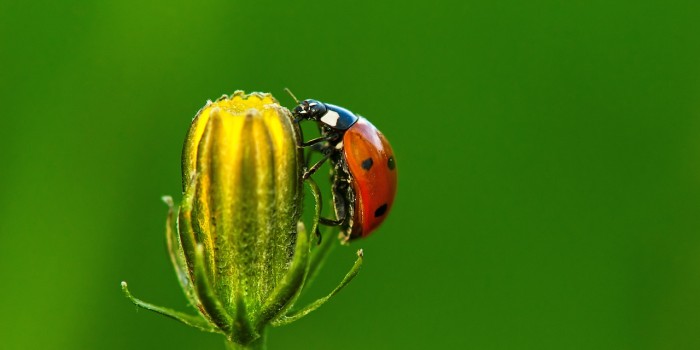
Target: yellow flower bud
{"points": [[240, 252], [242, 163]]}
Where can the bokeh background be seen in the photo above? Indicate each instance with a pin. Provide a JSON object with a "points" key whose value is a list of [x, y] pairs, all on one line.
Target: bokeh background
{"points": [[549, 158]]}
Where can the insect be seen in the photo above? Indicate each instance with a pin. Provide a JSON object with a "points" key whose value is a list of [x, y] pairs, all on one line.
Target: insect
{"points": [[363, 174]]}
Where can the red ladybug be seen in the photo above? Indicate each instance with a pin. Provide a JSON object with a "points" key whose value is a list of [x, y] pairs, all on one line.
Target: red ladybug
{"points": [[364, 168]]}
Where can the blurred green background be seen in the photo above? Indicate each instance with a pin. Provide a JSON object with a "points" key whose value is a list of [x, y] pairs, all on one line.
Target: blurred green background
{"points": [[549, 193]]}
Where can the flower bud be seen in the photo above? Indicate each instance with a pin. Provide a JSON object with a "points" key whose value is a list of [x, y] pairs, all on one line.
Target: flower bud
{"points": [[241, 173], [240, 252], [241, 160]]}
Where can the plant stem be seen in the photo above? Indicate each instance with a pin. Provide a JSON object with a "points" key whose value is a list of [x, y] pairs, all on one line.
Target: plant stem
{"points": [[258, 344]]}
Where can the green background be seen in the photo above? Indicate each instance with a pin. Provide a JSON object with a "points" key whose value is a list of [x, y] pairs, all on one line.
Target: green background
{"points": [[548, 156]]}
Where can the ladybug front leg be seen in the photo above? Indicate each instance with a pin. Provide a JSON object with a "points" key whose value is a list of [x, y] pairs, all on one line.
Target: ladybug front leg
{"points": [[316, 141], [322, 138], [317, 148], [327, 153], [327, 150]]}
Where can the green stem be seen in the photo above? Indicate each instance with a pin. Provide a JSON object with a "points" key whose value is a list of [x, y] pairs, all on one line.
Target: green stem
{"points": [[258, 344]]}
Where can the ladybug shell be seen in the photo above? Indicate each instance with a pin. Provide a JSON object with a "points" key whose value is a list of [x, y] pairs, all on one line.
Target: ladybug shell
{"points": [[370, 159]]}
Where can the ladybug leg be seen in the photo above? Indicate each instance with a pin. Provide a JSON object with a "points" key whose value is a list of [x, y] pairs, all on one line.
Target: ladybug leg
{"points": [[312, 141], [315, 141], [318, 165], [319, 204], [339, 203], [340, 207], [329, 222], [317, 148]]}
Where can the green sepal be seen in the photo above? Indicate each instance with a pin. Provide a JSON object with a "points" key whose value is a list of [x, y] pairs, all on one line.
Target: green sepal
{"points": [[243, 332], [317, 207], [176, 254], [291, 284], [184, 227], [289, 318], [190, 320], [206, 295], [319, 255]]}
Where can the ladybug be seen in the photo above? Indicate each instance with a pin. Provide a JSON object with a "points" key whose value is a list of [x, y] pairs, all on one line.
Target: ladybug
{"points": [[363, 172]]}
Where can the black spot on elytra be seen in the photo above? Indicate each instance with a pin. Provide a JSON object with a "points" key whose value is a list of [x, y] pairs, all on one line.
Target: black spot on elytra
{"points": [[367, 163], [390, 163], [380, 211]]}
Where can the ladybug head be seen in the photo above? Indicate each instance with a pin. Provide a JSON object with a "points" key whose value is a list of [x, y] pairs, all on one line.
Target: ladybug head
{"points": [[309, 110]]}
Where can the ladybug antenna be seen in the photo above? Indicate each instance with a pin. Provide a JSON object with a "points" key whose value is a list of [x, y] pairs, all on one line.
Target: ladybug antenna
{"points": [[291, 94]]}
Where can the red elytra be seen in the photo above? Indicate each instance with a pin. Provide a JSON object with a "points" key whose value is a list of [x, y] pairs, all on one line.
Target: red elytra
{"points": [[371, 163]]}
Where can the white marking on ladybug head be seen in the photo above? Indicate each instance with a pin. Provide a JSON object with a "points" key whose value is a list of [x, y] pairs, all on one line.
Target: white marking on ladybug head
{"points": [[331, 118], [312, 104], [339, 145]]}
